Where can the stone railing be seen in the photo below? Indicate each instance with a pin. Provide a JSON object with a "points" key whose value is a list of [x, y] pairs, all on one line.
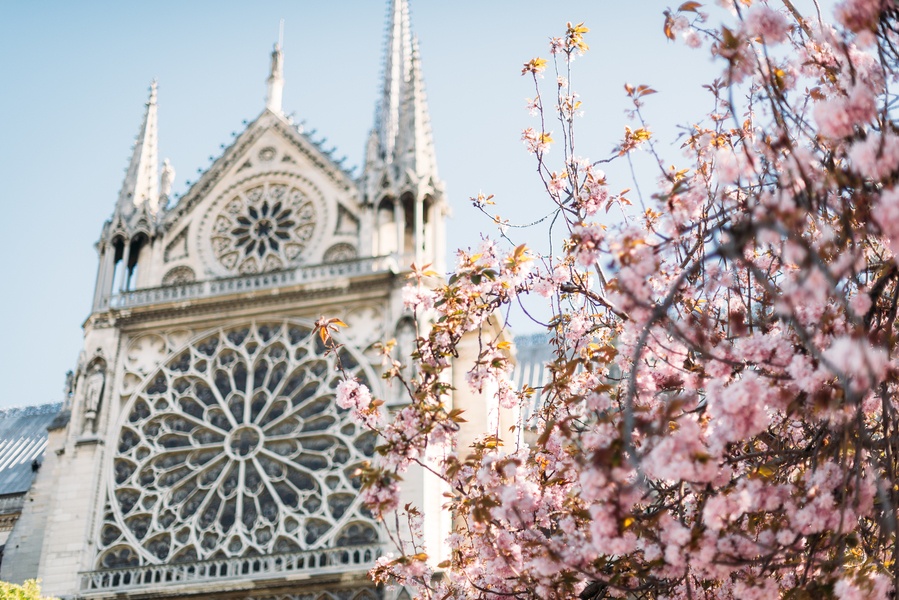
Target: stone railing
{"points": [[247, 283], [273, 566]]}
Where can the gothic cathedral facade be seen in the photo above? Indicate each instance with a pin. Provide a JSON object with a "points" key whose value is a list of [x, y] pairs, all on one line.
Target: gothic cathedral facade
{"points": [[200, 453]]}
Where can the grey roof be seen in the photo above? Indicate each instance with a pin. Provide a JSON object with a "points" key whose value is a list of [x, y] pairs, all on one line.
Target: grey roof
{"points": [[23, 439], [532, 353]]}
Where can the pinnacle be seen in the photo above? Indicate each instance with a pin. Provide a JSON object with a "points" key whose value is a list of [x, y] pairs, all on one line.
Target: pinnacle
{"points": [[140, 189]]}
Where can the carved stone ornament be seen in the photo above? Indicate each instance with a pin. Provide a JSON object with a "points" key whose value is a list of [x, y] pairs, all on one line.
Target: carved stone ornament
{"points": [[93, 396], [266, 154], [264, 227], [179, 275], [234, 447], [340, 252]]}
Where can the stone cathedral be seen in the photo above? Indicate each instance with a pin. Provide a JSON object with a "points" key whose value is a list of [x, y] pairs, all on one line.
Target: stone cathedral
{"points": [[198, 452]]}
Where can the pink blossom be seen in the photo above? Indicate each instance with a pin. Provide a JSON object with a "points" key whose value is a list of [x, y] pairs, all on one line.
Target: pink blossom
{"points": [[557, 183], [838, 117], [594, 193], [682, 455], [383, 498], [858, 15], [352, 394], [535, 142], [886, 214], [692, 39], [871, 586], [416, 297], [861, 303], [727, 166], [587, 241], [722, 509], [762, 21], [739, 410], [863, 364], [876, 156]]}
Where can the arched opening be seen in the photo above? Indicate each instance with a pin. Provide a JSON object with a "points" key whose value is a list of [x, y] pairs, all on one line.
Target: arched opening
{"points": [[430, 224], [386, 227], [408, 203], [140, 245], [118, 271]]}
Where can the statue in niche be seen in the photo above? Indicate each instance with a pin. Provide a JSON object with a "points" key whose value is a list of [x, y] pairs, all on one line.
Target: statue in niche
{"points": [[93, 396], [68, 389], [166, 179]]}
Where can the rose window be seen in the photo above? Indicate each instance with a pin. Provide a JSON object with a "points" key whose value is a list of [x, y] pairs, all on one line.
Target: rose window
{"points": [[234, 447], [263, 228]]}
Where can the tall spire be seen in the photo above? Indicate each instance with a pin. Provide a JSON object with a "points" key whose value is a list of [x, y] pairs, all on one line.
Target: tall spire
{"points": [[275, 81], [415, 144], [401, 141], [141, 185], [400, 184], [397, 63]]}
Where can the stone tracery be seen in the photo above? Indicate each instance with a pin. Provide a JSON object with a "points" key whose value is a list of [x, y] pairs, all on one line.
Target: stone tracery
{"points": [[263, 228], [234, 447]]}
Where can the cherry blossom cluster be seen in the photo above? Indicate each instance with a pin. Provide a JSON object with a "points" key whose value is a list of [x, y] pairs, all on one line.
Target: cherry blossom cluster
{"points": [[721, 419]]}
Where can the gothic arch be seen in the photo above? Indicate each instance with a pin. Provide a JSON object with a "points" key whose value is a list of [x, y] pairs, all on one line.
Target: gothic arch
{"points": [[385, 226]]}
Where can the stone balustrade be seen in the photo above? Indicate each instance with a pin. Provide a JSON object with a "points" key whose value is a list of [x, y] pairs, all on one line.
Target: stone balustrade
{"points": [[273, 566], [211, 288]]}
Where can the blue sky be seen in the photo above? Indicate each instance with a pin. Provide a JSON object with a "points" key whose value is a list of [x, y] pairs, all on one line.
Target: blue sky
{"points": [[75, 79]]}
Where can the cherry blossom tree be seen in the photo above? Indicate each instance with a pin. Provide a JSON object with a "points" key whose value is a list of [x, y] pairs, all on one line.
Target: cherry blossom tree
{"points": [[722, 419]]}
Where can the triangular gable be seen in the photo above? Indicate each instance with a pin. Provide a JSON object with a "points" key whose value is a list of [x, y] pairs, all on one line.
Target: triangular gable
{"points": [[236, 155], [273, 200]]}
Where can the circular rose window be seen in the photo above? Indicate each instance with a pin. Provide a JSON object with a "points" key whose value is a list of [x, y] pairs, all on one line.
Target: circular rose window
{"points": [[263, 228], [234, 447]]}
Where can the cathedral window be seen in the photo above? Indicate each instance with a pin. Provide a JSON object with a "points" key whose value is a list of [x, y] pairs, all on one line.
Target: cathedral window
{"points": [[234, 447], [263, 228]]}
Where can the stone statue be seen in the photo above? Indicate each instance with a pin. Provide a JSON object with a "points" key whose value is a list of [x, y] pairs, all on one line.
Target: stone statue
{"points": [[166, 179], [68, 389], [277, 64], [93, 396]]}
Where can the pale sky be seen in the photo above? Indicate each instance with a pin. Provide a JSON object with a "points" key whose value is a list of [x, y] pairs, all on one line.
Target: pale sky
{"points": [[75, 78]]}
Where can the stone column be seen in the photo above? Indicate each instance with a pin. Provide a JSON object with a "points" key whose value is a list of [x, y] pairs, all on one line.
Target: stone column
{"points": [[126, 256]]}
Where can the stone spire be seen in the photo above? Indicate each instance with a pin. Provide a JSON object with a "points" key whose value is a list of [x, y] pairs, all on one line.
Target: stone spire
{"points": [[275, 81], [396, 73], [401, 140], [141, 186], [415, 143], [399, 183]]}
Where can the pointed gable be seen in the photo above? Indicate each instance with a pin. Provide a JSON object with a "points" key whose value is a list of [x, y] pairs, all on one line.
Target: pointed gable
{"points": [[273, 200]]}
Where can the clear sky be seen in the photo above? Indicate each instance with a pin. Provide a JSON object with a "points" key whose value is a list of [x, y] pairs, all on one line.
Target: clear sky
{"points": [[74, 78]]}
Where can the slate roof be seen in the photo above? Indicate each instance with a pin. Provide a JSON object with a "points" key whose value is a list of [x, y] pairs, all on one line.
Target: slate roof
{"points": [[532, 352], [23, 439]]}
